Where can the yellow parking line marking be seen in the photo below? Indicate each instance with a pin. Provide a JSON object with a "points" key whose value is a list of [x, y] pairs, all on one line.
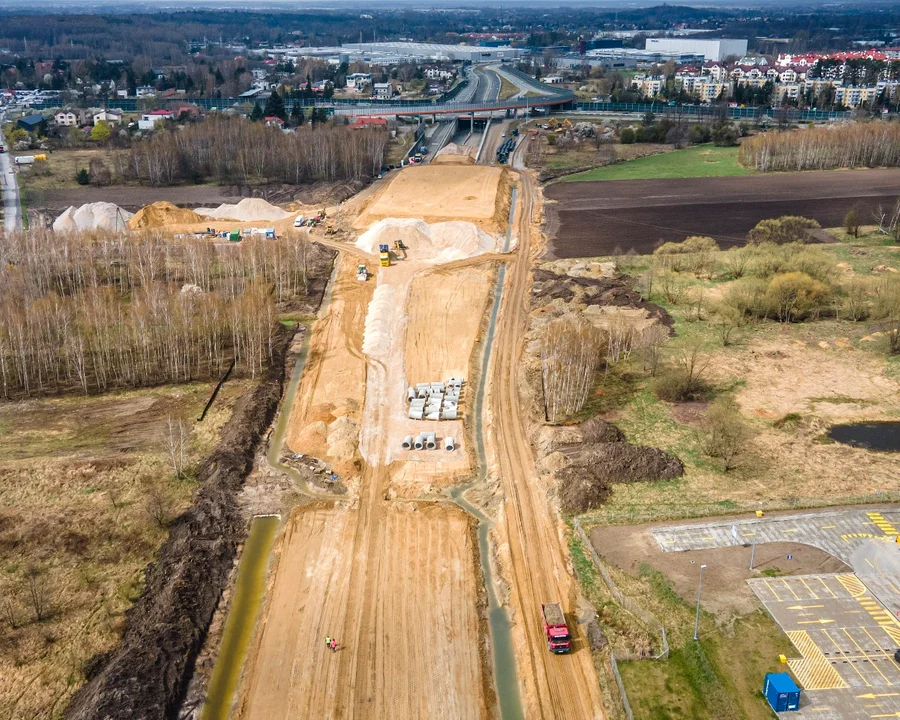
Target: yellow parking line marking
{"points": [[877, 644], [771, 589], [870, 563], [667, 542], [811, 592], [893, 632], [840, 652], [827, 527], [804, 607], [790, 589], [791, 530], [894, 587], [750, 534], [825, 585], [859, 647], [708, 537]]}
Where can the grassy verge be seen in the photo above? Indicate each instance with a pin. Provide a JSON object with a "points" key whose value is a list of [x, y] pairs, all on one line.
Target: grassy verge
{"points": [[507, 89], [697, 161], [86, 497]]}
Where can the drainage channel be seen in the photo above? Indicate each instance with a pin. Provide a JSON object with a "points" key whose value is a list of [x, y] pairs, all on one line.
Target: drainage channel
{"points": [[249, 588], [504, 658]]}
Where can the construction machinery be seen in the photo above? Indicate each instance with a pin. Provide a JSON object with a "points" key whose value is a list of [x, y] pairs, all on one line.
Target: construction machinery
{"points": [[400, 247], [384, 255], [362, 273], [555, 628]]}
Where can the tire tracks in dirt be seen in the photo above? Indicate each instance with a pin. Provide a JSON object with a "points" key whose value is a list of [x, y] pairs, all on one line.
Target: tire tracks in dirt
{"points": [[554, 686]]}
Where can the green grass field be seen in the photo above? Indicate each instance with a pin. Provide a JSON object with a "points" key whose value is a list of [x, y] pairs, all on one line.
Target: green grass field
{"points": [[698, 161]]}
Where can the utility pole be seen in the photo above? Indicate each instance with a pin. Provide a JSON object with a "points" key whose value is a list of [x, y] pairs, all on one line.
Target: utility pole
{"points": [[699, 590]]}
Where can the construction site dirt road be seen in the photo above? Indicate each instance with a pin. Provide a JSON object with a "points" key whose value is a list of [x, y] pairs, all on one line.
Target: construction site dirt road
{"points": [[395, 577]]}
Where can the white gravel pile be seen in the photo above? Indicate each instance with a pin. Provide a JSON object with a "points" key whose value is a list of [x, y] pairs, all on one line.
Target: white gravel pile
{"points": [[247, 210], [436, 243], [379, 323], [92, 216]]}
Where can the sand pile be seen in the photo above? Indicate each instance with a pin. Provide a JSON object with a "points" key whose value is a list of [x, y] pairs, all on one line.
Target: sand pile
{"points": [[453, 153], [440, 242], [163, 213], [377, 333], [92, 216], [342, 437], [247, 210]]}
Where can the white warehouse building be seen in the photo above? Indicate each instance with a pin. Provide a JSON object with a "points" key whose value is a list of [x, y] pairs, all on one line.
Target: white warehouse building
{"points": [[716, 50], [436, 51]]}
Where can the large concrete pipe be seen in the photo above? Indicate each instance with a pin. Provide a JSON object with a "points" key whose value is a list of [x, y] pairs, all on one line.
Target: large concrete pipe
{"points": [[419, 443], [410, 393], [416, 413], [448, 414], [430, 441], [449, 445], [436, 415], [408, 442]]}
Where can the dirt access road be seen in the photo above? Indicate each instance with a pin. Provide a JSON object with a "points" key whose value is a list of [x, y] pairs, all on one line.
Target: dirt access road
{"points": [[554, 686], [396, 580]]}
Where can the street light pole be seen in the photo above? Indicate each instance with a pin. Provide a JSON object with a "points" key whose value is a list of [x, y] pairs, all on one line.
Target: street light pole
{"points": [[699, 588]]}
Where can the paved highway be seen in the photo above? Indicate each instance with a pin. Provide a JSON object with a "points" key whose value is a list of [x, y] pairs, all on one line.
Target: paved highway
{"points": [[12, 214]]}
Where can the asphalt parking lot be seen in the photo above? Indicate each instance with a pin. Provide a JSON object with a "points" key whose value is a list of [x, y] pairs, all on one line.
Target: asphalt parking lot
{"points": [[845, 626]]}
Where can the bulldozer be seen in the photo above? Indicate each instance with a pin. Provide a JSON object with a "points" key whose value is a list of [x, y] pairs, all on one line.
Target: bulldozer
{"points": [[400, 247]]}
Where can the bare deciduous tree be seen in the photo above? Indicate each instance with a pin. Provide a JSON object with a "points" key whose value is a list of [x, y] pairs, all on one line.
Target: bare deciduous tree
{"points": [[38, 591], [176, 440], [571, 352], [158, 505], [725, 434]]}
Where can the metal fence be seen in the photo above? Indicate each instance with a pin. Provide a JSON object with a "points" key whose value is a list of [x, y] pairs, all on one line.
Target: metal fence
{"points": [[615, 668], [700, 111], [646, 617]]}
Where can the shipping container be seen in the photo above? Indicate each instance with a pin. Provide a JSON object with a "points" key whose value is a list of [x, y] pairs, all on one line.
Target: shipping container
{"points": [[782, 692]]}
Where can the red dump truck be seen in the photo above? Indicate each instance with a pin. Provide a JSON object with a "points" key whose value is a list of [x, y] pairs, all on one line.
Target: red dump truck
{"points": [[555, 628]]}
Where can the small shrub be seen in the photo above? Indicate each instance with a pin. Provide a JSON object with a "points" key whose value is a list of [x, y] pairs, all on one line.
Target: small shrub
{"points": [[795, 296], [82, 177], [626, 136], [851, 223], [785, 229], [725, 434]]}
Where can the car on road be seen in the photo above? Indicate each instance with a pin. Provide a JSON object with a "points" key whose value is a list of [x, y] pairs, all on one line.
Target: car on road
{"points": [[897, 655]]}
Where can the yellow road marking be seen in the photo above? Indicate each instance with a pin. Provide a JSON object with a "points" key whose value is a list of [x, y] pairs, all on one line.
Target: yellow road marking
{"points": [[877, 644], [813, 670], [771, 589], [790, 589], [840, 652], [827, 527], [820, 621], [859, 647], [804, 607], [811, 592], [825, 585], [852, 585], [790, 531], [872, 696]]}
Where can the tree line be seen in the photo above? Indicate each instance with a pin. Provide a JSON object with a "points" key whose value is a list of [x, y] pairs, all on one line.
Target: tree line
{"points": [[96, 311], [230, 150], [875, 144]]}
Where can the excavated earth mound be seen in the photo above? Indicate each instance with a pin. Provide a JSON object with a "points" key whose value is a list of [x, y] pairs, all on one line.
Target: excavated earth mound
{"points": [[247, 210], [438, 242], [163, 213]]}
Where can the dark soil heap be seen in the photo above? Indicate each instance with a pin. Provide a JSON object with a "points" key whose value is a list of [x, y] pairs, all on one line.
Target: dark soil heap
{"points": [[617, 292], [585, 483]]}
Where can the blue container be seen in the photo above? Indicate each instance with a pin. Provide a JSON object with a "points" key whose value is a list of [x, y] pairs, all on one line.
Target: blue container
{"points": [[781, 692]]}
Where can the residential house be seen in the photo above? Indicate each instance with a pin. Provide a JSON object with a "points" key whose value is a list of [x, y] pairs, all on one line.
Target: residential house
{"points": [[438, 73], [273, 121], [148, 120], [66, 118], [358, 81], [113, 117], [382, 91], [366, 121], [144, 91]]}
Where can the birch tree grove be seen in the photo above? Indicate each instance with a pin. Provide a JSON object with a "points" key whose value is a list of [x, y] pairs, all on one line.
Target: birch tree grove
{"points": [[571, 352], [875, 144], [232, 150], [93, 312]]}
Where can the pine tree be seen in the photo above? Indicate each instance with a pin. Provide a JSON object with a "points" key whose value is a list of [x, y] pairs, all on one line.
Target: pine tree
{"points": [[297, 116], [275, 106], [257, 113]]}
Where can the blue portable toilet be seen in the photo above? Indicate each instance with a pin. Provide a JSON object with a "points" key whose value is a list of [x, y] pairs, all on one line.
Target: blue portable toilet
{"points": [[781, 692]]}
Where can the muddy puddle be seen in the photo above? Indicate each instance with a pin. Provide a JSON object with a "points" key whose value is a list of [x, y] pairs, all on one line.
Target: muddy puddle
{"points": [[879, 436]]}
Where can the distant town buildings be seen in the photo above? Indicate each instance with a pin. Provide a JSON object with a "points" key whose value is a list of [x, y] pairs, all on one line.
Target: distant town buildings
{"points": [[718, 49]]}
